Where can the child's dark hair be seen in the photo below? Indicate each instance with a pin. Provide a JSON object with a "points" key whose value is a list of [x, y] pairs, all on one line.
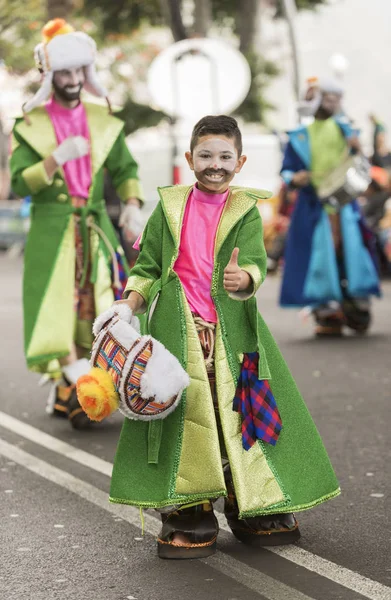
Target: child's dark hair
{"points": [[215, 125]]}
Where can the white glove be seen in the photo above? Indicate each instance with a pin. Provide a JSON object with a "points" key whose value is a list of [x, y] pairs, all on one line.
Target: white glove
{"points": [[131, 219], [71, 148]]}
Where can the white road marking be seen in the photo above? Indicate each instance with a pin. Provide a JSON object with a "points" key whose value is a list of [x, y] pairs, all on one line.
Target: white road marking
{"points": [[270, 588], [349, 579], [55, 445], [321, 566], [251, 578], [336, 573]]}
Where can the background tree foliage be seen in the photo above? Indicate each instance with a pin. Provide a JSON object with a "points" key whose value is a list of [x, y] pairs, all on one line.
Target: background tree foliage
{"points": [[19, 32], [115, 22], [241, 18]]}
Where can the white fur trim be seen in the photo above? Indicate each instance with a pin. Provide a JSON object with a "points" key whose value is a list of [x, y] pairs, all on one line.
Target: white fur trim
{"points": [[155, 382], [163, 378], [42, 94], [92, 83], [122, 310], [69, 51], [330, 86], [135, 417], [40, 57], [163, 367], [126, 335]]}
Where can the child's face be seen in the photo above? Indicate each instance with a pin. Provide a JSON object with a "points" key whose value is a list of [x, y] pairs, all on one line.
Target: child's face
{"points": [[214, 162]]}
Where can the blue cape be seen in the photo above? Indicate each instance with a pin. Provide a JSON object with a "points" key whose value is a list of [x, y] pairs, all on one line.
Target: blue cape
{"points": [[311, 272]]}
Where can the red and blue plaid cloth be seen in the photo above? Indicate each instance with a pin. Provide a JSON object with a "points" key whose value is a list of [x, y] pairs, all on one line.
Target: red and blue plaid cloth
{"points": [[255, 402]]}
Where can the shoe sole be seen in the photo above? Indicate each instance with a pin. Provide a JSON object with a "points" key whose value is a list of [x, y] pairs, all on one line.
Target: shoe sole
{"points": [[331, 333], [171, 551], [272, 538]]}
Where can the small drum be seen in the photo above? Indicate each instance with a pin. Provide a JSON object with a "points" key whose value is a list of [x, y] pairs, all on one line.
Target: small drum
{"points": [[350, 179]]}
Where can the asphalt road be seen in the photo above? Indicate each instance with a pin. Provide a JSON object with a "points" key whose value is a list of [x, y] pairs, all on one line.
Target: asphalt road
{"points": [[60, 538]]}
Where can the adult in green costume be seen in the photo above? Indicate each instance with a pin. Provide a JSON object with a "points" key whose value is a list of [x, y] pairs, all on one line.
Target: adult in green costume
{"points": [[73, 261], [175, 464]]}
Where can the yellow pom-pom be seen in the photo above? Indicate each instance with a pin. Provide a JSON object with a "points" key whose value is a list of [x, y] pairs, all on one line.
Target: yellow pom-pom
{"points": [[96, 394]]}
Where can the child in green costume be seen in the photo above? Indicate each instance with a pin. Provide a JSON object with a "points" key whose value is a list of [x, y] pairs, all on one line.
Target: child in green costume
{"points": [[242, 430]]}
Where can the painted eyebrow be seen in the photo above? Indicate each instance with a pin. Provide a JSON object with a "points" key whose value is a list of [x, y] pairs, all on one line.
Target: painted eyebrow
{"points": [[221, 152]]}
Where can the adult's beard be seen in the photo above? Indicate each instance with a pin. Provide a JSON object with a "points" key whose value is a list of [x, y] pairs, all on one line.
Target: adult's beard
{"points": [[62, 92], [323, 113]]}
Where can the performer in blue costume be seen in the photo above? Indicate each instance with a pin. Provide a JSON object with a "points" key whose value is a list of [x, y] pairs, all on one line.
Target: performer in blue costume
{"points": [[330, 261]]}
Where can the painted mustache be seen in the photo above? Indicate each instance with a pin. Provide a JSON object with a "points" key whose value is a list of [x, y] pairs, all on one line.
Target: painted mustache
{"points": [[216, 172]]}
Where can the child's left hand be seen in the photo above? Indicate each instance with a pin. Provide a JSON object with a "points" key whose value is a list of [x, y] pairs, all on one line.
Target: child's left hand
{"points": [[235, 279]]}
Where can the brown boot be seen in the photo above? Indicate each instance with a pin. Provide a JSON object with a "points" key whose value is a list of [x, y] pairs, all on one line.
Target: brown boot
{"points": [[76, 414], [329, 323], [63, 394], [188, 533], [264, 530]]}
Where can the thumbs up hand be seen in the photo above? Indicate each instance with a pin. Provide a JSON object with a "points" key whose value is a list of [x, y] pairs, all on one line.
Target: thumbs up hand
{"points": [[235, 279]]}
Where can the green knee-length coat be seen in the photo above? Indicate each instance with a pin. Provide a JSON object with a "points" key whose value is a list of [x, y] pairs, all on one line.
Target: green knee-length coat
{"points": [[177, 460], [49, 265]]}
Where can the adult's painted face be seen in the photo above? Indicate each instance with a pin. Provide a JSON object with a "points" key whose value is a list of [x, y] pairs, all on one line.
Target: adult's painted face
{"points": [[68, 83], [215, 161]]}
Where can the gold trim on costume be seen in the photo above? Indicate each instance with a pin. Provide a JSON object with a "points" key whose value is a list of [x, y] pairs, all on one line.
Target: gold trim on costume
{"points": [[204, 474], [239, 202], [36, 177], [104, 130], [57, 306], [256, 280], [174, 200], [40, 134], [255, 484], [130, 188], [14, 143], [140, 285]]}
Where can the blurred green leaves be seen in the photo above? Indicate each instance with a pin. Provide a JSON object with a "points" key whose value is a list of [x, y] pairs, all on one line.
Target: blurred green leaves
{"points": [[20, 27], [124, 31]]}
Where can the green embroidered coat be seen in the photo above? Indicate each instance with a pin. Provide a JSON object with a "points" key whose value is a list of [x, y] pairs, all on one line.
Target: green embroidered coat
{"points": [[49, 266], [177, 460]]}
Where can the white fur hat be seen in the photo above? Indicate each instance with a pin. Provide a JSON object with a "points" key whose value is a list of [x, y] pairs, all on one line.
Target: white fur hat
{"points": [[319, 86], [64, 48]]}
